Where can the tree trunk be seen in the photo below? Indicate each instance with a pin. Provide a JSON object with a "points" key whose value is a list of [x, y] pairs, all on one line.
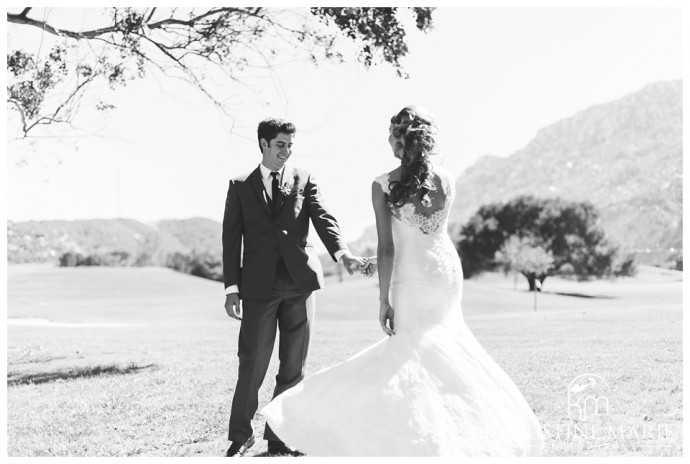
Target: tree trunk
{"points": [[532, 280]]}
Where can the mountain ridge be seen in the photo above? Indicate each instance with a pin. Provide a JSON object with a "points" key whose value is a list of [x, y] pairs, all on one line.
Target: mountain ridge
{"points": [[624, 156]]}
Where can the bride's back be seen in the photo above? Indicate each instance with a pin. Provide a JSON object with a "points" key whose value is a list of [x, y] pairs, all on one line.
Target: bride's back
{"points": [[424, 253], [426, 282], [429, 218]]}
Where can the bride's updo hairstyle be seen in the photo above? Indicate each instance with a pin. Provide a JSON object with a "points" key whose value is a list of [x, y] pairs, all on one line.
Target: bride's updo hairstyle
{"points": [[418, 131]]}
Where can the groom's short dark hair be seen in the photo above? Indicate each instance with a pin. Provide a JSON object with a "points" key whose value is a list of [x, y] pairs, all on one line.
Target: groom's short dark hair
{"points": [[269, 129]]}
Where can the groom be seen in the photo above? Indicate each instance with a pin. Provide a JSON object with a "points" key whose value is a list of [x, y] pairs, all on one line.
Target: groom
{"points": [[269, 264]]}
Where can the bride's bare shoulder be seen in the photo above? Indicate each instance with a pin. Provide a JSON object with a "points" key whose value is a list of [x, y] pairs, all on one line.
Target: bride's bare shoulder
{"points": [[394, 174], [386, 178], [443, 176]]}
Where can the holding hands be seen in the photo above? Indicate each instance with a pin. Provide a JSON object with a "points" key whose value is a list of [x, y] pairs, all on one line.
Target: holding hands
{"points": [[371, 266], [366, 266], [351, 262]]}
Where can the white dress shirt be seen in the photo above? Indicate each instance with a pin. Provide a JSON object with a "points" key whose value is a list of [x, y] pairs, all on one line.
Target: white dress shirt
{"points": [[267, 180]]}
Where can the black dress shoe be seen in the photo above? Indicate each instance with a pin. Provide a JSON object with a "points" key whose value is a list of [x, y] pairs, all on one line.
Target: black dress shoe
{"points": [[278, 448], [238, 448]]}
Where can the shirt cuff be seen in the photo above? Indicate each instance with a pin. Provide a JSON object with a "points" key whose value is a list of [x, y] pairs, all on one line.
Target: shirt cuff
{"points": [[339, 254], [232, 289]]}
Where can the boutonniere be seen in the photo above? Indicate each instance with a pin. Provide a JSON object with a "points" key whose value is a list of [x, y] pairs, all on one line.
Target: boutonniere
{"points": [[286, 190]]}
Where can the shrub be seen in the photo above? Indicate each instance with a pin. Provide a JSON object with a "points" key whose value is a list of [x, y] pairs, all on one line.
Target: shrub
{"points": [[207, 265], [143, 259], [200, 264], [626, 268], [179, 262], [70, 259], [112, 258]]}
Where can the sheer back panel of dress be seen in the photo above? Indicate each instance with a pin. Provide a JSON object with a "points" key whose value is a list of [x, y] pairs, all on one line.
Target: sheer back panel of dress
{"points": [[427, 219]]}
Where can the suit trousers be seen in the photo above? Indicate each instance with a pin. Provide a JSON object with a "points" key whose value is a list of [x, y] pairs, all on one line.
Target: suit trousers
{"points": [[289, 310]]}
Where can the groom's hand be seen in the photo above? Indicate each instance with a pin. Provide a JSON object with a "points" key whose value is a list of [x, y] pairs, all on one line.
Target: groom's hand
{"points": [[370, 267], [350, 261], [232, 306]]}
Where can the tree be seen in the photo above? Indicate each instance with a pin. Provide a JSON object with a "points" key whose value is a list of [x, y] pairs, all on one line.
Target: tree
{"points": [[46, 87], [567, 231], [525, 256]]}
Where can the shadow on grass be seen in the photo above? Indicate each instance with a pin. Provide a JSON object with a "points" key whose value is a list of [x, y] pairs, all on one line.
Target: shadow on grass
{"points": [[72, 374], [582, 295], [266, 454]]}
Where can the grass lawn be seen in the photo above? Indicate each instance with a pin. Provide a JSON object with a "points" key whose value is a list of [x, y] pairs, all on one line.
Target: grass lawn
{"points": [[152, 369]]}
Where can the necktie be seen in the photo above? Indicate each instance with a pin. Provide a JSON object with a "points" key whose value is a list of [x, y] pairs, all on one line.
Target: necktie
{"points": [[275, 192]]}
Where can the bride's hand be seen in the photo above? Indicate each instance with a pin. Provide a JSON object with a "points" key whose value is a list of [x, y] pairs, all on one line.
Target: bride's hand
{"points": [[371, 266], [386, 313]]}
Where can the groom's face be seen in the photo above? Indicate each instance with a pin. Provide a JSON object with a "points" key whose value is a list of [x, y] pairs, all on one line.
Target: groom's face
{"points": [[277, 151]]}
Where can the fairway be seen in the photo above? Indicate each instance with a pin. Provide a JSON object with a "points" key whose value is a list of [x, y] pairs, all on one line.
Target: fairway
{"points": [[142, 361]]}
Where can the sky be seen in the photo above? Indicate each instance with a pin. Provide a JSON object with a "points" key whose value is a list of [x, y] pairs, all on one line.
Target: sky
{"points": [[493, 77]]}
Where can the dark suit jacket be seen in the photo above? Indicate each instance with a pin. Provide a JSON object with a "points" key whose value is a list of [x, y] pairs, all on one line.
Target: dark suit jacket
{"points": [[248, 218]]}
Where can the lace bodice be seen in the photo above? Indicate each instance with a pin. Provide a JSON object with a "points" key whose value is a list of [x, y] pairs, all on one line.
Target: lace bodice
{"points": [[424, 253], [408, 215]]}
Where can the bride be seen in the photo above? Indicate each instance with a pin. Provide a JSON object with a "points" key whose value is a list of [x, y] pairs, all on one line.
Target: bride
{"points": [[429, 389]]}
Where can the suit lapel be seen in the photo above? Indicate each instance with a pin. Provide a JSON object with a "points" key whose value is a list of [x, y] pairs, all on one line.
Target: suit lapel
{"points": [[258, 185]]}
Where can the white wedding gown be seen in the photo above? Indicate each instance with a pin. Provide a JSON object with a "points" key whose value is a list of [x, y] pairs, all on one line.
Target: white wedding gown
{"points": [[430, 389]]}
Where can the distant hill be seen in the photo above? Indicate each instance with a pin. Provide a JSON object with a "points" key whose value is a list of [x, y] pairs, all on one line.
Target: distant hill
{"points": [[46, 241], [626, 157]]}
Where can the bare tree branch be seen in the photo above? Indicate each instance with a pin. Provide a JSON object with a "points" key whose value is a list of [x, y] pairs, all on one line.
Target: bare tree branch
{"points": [[20, 109], [21, 18], [43, 25], [55, 116], [153, 10], [184, 67]]}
